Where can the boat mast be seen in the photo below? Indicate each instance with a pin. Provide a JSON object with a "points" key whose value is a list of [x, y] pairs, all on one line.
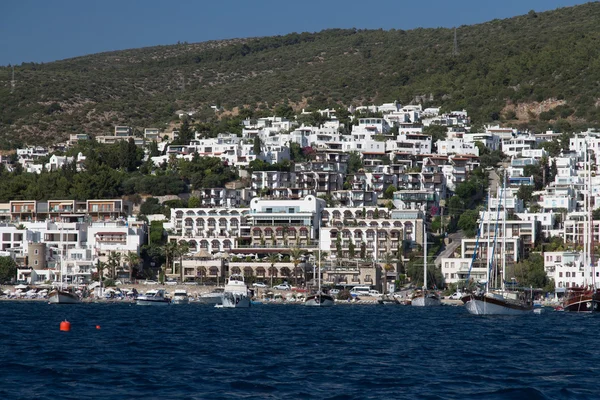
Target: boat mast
{"points": [[319, 281], [585, 216], [591, 223], [425, 256], [504, 216]]}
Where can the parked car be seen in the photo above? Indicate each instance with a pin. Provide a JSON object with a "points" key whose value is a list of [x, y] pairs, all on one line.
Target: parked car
{"points": [[283, 286], [456, 296], [259, 285], [334, 292], [150, 282], [171, 282]]}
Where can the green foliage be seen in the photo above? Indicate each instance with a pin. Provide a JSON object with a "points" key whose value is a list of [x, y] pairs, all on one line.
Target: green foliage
{"points": [[8, 269], [389, 192], [530, 272], [525, 193], [468, 222], [355, 163], [437, 132], [151, 206]]}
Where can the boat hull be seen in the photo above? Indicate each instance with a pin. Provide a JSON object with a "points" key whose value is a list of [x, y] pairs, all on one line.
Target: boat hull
{"points": [[425, 301], [218, 299], [582, 301], [61, 297], [181, 300], [486, 305], [319, 300], [235, 300]]}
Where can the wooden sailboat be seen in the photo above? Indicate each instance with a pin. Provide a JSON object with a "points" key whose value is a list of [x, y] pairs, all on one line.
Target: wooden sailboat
{"points": [[585, 299], [425, 298], [503, 301], [319, 299]]}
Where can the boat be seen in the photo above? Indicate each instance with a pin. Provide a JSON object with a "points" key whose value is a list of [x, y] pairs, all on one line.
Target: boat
{"points": [[585, 299], [497, 301], [214, 297], [320, 298], [153, 297], [235, 294], [424, 297], [180, 296], [62, 295]]}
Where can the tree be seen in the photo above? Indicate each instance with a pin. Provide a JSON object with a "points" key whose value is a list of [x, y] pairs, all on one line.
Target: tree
{"points": [[525, 193], [8, 269], [182, 249], [150, 206], [355, 162], [530, 272], [133, 261], [272, 259], [296, 254], [169, 251], [363, 250], [351, 249], [338, 245], [468, 222], [257, 147], [114, 261], [194, 202], [389, 192]]}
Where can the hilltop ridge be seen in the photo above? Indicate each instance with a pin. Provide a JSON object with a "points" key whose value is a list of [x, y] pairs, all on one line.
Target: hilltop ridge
{"points": [[538, 70]]}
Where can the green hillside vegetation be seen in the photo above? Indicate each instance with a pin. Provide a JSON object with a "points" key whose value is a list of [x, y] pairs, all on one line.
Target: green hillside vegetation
{"points": [[114, 171], [523, 60]]}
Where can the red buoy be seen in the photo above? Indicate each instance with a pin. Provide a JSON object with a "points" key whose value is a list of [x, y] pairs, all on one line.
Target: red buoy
{"points": [[65, 326], [97, 326]]}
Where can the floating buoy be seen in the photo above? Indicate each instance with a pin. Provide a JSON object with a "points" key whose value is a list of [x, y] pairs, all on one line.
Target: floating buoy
{"points": [[97, 326], [65, 326]]}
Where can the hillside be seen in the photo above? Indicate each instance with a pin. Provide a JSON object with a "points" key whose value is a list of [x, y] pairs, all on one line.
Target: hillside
{"points": [[536, 70]]}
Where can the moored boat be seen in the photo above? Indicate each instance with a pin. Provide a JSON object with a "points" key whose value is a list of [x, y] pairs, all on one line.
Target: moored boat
{"points": [[582, 300], [425, 298], [152, 297], [319, 299], [62, 297], [236, 294], [214, 297], [180, 296]]}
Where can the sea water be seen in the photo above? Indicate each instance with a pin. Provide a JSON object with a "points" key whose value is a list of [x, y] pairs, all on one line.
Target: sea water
{"points": [[293, 352]]}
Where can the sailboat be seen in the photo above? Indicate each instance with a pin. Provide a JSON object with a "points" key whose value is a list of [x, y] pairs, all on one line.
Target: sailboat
{"points": [[503, 301], [425, 298], [319, 299], [587, 298], [61, 295]]}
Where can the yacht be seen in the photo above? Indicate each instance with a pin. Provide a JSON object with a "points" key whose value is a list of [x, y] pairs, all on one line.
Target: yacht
{"points": [[60, 296], [236, 293], [180, 296], [214, 297], [153, 297]]}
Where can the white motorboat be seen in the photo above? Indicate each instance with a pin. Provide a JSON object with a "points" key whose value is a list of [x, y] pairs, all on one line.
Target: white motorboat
{"points": [[236, 293], [152, 297], [180, 296], [214, 297]]}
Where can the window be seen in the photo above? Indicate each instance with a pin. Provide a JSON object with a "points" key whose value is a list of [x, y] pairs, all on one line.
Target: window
{"points": [[35, 262], [560, 275], [36, 252], [290, 210], [269, 210]]}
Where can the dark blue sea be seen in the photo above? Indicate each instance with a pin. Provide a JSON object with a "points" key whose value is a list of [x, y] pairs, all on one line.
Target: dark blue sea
{"points": [[293, 352]]}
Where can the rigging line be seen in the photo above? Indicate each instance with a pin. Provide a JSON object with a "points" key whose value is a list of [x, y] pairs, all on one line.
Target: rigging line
{"points": [[495, 240], [476, 244]]}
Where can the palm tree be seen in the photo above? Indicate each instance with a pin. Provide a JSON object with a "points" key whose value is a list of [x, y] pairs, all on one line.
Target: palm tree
{"points": [[114, 261], [133, 260], [273, 259], [388, 260], [169, 250], [100, 267], [296, 253], [182, 248]]}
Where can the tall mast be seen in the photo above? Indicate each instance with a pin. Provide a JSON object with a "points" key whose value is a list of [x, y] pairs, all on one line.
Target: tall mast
{"points": [[585, 216], [591, 224], [319, 282], [503, 256], [487, 250], [425, 255]]}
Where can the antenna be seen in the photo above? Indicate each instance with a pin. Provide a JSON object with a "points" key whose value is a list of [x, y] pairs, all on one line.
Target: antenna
{"points": [[455, 49], [12, 82]]}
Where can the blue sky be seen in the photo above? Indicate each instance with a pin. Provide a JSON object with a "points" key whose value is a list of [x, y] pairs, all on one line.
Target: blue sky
{"points": [[43, 31]]}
